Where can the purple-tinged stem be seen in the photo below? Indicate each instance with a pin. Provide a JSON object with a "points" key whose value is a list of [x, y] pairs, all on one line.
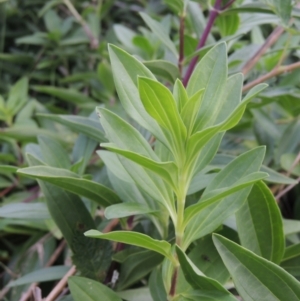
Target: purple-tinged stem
{"points": [[211, 19], [181, 43]]}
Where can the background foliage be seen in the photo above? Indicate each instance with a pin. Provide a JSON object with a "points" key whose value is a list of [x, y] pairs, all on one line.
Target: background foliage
{"points": [[55, 69]]}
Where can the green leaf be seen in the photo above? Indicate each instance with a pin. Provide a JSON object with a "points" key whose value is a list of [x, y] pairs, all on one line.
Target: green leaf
{"points": [[53, 153], [72, 182], [195, 277], [90, 290], [250, 271], [42, 275], [136, 239], [17, 96], [165, 170], [25, 211], [136, 266], [160, 104], [67, 220], [207, 219], [164, 69], [228, 24], [210, 73], [180, 95], [218, 194], [176, 5], [79, 124], [126, 209], [126, 70], [68, 95], [138, 294], [134, 146], [199, 139], [133, 173], [190, 110], [260, 225], [92, 258], [195, 295], [52, 21], [283, 9], [160, 32], [291, 260]]}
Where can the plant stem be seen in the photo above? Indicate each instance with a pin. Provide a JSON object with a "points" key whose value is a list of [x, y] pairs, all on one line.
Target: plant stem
{"points": [[211, 19], [275, 72], [174, 283], [181, 43], [267, 44], [94, 42]]}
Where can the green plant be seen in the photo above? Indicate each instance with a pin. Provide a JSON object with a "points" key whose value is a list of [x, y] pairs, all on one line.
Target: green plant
{"points": [[187, 127], [175, 166]]}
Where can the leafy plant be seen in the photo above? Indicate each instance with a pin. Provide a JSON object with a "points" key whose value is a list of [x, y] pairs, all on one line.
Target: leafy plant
{"points": [[182, 182]]}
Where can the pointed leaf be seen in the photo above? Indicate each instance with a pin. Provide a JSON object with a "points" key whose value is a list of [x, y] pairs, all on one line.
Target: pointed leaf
{"points": [[126, 70], [73, 183], [259, 224], [218, 194], [166, 170], [191, 109], [160, 104], [90, 290], [136, 239], [163, 69], [208, 219], [180, 95], [126, 209], [195, 277], [160, 32], [255, 277], [79, 124], [67, 95]]}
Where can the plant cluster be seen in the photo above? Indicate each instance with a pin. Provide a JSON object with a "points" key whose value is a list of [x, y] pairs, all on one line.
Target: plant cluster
{"points": [[192, 193]]}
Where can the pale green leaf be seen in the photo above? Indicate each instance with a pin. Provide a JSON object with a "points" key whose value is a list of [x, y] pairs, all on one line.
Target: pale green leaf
{"points": [[79, 124], [136, 239], [256, 278], [160, 32], [90, 290], [163, 69], [259, 224], [126, 209], [72, 182], [42, 275]]}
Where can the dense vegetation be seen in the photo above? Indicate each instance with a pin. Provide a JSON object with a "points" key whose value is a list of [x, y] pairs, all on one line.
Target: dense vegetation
{"points": [[193, 192]]}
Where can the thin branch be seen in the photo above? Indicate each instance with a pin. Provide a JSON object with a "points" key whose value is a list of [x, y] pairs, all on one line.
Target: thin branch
{"points": [[94, 42], [50, 262], [174, 282], [61, 285], [181, 43], [296, 161], [273, 37], [287, 189], [275, 72], [211, 20]]}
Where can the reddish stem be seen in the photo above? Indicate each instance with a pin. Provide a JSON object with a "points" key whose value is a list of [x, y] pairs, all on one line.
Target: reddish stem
{"points": [[211, 19], [181, 44]]}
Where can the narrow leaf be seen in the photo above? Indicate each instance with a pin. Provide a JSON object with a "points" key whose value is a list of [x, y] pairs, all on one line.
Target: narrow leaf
{"points": [[195, 277], [255, 277], [259, 224], [79, 124], [160, 32], [73, 183], [126, 209], [90, 290], [136, 239]]}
